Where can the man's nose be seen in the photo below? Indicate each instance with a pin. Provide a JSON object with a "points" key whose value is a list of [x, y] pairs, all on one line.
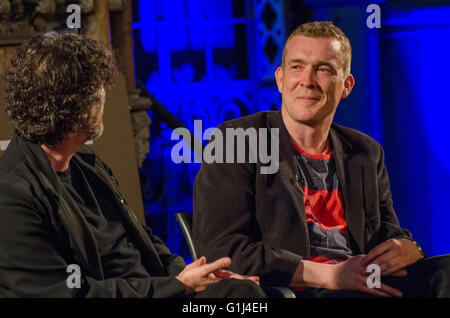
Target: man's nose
{"points": [[308, 77]]}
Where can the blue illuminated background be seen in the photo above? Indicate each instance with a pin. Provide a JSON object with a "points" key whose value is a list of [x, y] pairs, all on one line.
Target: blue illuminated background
{"points": [[214, 60]]}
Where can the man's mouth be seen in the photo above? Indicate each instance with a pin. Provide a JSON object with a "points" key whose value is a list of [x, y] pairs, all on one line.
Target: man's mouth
{"points": [[308, 98]]}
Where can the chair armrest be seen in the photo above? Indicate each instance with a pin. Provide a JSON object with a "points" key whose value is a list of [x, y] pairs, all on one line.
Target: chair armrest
{"points": [[279, 292]]}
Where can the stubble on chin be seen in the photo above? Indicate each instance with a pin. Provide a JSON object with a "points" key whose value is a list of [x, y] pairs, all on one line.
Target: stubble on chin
{"points": [[95, 131], [303, 114]]}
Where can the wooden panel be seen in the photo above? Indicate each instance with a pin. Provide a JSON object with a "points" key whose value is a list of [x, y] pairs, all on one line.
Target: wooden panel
{"points": [[6, 130]]}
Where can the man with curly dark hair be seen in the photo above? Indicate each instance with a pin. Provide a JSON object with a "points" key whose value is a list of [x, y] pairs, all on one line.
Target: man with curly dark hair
{"points": [[61, 210], [55, 84]]}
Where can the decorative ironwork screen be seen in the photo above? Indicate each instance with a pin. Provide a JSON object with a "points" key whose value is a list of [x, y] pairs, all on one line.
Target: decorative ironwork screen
{"points": [[207, 60]]}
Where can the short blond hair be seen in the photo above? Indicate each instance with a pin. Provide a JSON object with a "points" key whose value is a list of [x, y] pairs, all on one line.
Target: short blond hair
{"points": [[325, 29]]}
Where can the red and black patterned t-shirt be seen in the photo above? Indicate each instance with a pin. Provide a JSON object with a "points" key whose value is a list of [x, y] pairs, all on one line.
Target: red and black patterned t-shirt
{"points": [[325, 216]]}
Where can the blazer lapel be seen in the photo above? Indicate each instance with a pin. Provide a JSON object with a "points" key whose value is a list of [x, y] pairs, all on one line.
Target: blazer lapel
{"points": [[350, 175], [288, 172]]}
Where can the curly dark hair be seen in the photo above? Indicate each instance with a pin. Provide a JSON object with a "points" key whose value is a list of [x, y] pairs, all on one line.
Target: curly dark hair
{"points": [[53, 83]]}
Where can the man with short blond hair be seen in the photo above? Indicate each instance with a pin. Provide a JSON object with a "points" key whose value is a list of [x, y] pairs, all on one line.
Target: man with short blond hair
{"points": [[327, 214]]}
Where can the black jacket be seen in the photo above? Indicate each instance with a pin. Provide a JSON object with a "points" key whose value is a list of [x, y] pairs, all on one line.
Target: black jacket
{"points": [[259, 219], [42, 231]]}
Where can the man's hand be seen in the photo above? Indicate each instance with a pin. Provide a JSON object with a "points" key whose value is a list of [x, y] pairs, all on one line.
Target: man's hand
{"points": [[352, 275], [393, 256], [221, 273], [198, 275]]}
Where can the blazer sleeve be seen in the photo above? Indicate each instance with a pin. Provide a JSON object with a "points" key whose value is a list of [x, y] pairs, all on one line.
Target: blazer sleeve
{"points": [[174, 264], [32, 264], [224, 223]]}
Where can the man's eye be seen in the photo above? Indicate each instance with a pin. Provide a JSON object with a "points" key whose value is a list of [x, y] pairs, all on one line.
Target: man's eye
{"points": [[324, 69]]}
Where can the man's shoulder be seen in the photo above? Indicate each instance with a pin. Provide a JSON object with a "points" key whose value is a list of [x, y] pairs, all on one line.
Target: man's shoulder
{"points": [[256, 120], [14, 170], [352, 134], [359, 141], [11, 159], [17, 180], [18, 186]]}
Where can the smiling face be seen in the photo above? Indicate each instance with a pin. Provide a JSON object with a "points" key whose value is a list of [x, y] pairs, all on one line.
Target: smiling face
{"points": [[313, 80]]}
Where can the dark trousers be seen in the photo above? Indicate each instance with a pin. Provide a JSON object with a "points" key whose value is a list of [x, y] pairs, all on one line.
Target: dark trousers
{"points": [[427, 278], [232, 288]]}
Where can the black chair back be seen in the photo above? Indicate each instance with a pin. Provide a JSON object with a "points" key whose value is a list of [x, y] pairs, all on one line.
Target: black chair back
{"points": [[184, 220]]}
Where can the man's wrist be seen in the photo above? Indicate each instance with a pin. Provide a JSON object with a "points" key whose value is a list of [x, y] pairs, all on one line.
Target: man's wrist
{"points": [[419, 248], [312, 274]]}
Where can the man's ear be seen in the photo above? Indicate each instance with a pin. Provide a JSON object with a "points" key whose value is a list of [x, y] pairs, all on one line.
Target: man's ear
{"points": [[348, 86], [279, 78]]}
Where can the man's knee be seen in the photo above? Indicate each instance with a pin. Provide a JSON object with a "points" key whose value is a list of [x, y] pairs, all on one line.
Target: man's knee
{"points": [[435, 274], [440, 281], [435, 263], [245, 287]]}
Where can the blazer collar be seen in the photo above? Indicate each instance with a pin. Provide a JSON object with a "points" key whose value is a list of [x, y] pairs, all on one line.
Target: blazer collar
{"points": [[286, 152], [37, 160]]}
